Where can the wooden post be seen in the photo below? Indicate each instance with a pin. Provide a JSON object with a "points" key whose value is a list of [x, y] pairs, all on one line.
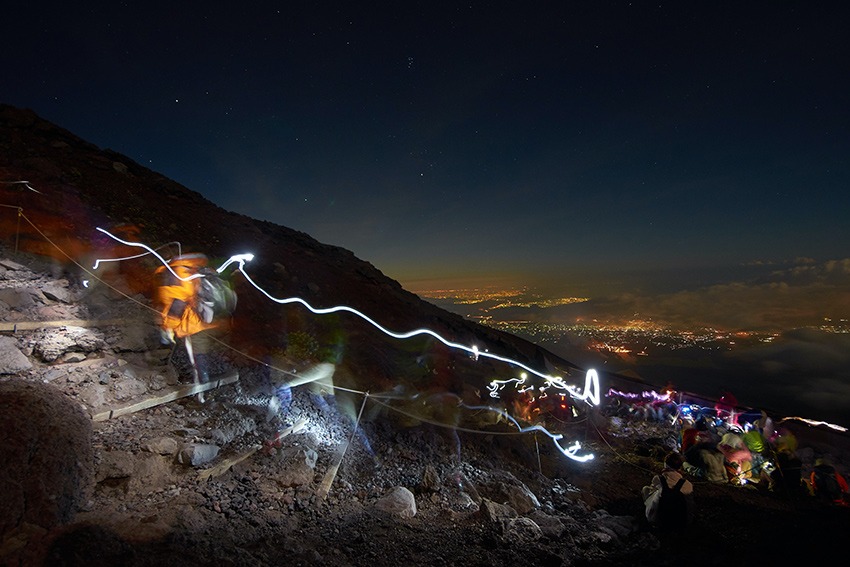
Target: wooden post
{"points": [[325, 487]]}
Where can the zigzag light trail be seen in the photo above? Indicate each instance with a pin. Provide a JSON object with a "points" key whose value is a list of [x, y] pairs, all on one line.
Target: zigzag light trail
{"points": [[589, 395], [555, 437]]}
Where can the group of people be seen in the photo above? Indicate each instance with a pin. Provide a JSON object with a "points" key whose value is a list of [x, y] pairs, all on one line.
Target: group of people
{"points": [[720, 449]]}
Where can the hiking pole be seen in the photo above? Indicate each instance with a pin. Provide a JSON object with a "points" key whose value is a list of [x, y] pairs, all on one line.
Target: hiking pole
{"points": [[171, 354], [537, 446]]}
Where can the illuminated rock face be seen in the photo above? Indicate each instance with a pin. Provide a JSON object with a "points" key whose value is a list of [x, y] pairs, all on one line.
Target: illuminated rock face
{"points": [[46, 455]]}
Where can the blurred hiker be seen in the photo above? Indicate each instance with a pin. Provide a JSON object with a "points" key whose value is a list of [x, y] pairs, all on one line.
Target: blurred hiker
{"points": [[737, 458], [192, 299], [668, 499], [696, 435], [702, 458], [827, 483], [759, 448], [726, 408], [787, 476], [765, 425], [280, 401]]}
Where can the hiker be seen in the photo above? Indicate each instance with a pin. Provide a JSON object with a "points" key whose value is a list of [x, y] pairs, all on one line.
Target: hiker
{"points": [[726, 408], [187, 313], [759, 448], [765, 425], [668, 499], [280, 400], [737, 458], [787, 476], [702, 458], [695, 435], [827, 483]]}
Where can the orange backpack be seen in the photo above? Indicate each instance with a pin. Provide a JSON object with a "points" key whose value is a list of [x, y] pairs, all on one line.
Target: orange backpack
{"points": [[176, 296]]}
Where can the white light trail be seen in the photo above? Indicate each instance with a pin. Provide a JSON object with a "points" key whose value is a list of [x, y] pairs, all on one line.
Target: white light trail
{"points": [[816, 423], [555, 437], [149, 251], [26, 184], [590, 393], [238, 258], [497, 386], [99, 261], [591, 387]]}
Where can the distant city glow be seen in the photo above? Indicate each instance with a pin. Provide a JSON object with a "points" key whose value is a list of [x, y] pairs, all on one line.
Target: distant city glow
{"points": [[502, 298]]}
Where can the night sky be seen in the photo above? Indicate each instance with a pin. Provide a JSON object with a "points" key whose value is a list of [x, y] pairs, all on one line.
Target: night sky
{"points": [[686, 163], [586, 147]]}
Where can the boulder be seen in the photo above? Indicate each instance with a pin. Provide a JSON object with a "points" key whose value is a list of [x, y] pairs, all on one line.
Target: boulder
{"points": [[398, 502], [46, 453], [197, 454]]}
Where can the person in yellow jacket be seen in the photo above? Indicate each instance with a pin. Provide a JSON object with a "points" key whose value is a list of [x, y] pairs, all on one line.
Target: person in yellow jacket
{"points": [[182, 311]]}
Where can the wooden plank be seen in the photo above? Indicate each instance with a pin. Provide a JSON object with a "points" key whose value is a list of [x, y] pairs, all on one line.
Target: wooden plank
{"points": [[298, 426], [180, 392], [330, 474], [225, 465], [14, 326]]}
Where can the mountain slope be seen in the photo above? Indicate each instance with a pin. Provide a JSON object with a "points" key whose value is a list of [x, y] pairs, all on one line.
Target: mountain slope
{"points": [[147, 508], [81, 187]]}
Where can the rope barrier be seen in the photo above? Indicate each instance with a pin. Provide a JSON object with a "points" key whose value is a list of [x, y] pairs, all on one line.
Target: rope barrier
{"points": [[80, 266], [616, 452], [375, 397], [441, 424]]}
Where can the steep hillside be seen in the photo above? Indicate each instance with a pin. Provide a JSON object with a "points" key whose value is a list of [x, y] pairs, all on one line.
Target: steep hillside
{"points": [[81, 187]]}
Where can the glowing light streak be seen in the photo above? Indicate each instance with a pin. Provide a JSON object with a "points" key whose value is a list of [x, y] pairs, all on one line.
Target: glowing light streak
{"points": [[591, 387], [241, 258], [817, 423], [590, 393], [496, 386], [103, 260], [570, 452], [665, 397], [26, 184], [149, 251]]}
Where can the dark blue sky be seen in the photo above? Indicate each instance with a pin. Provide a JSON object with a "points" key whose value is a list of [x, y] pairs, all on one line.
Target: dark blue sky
{"points": [[594, 146]]}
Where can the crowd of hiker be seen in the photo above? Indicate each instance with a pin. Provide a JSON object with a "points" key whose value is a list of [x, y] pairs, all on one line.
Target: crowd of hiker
{"points": [[722, 444]]}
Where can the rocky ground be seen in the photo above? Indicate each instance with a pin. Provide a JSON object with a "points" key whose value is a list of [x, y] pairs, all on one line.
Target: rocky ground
{"points": [[303, 487]]}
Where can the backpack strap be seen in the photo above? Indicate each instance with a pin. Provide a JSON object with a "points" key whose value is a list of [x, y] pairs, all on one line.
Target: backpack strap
{"points": [[678, 485]]}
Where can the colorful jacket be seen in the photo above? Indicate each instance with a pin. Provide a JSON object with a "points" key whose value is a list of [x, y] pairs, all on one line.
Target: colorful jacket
{"points": [[176, 298]]}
